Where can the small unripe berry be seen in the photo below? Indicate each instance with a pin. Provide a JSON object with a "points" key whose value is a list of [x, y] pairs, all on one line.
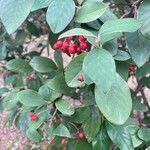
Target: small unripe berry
{"points": [[81, 78], [81, 135], [64, 141], [33, 116], [82, 38]]}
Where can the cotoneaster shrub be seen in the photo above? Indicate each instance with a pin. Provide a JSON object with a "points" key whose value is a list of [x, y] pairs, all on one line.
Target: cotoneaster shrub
{"points": [[87, 104]]}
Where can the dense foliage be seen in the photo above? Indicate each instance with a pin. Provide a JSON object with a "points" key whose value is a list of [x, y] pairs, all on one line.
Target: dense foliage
{"points": [[87, 103]]}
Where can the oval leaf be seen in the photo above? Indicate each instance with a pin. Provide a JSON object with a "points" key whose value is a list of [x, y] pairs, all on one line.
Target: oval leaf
{"points": [[100, 67], [14, 12], [120, 136], [59, 14], [90, 12], [62, 130], [30, 98], [138, 47], [113, 28], [144, 134], [18, 65], [42, 64], [64, 107], [143, 16], [116, 104]]}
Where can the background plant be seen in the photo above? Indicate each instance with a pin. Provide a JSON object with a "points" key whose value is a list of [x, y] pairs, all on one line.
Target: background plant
{"points": [[86, 104]]}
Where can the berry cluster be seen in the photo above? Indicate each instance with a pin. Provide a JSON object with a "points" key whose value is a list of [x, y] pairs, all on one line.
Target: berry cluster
{"points": [[30, 77], [72, 45], [33, 116]]}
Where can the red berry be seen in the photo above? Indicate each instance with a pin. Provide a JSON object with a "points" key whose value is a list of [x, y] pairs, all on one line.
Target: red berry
{"points": [[31, 77], [31, 114], [72, 49], [64, 141], [81, 78], [55, 46], [84, 45], [65, 46], [69, 38], [82, 38], [58, 44], [81, 135]]}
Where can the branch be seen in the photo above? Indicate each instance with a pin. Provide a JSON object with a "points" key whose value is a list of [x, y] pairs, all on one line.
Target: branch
{"points": [[133, 9]]}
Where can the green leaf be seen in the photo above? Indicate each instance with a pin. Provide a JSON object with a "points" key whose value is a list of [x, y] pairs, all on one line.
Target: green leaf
{"points": [[100, 67], [122, 55], [59, 14], [59, 59], [18, 65], [120, 136], [138, 47], [42, 116], [77, 31], [21, 36], [79, 144], [62, 130], [90, 12], [73, 70], [92, 125], [30, 98], [58, 84], [48, 93], [38, 4], [81, 114], [111, 46], [116, 104], [122, 69], [34, 136], [144, 134], [113, 28], [64, 107], [143, 71], [102, 141], [143, 16], [14, 12], [42, 64]]}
